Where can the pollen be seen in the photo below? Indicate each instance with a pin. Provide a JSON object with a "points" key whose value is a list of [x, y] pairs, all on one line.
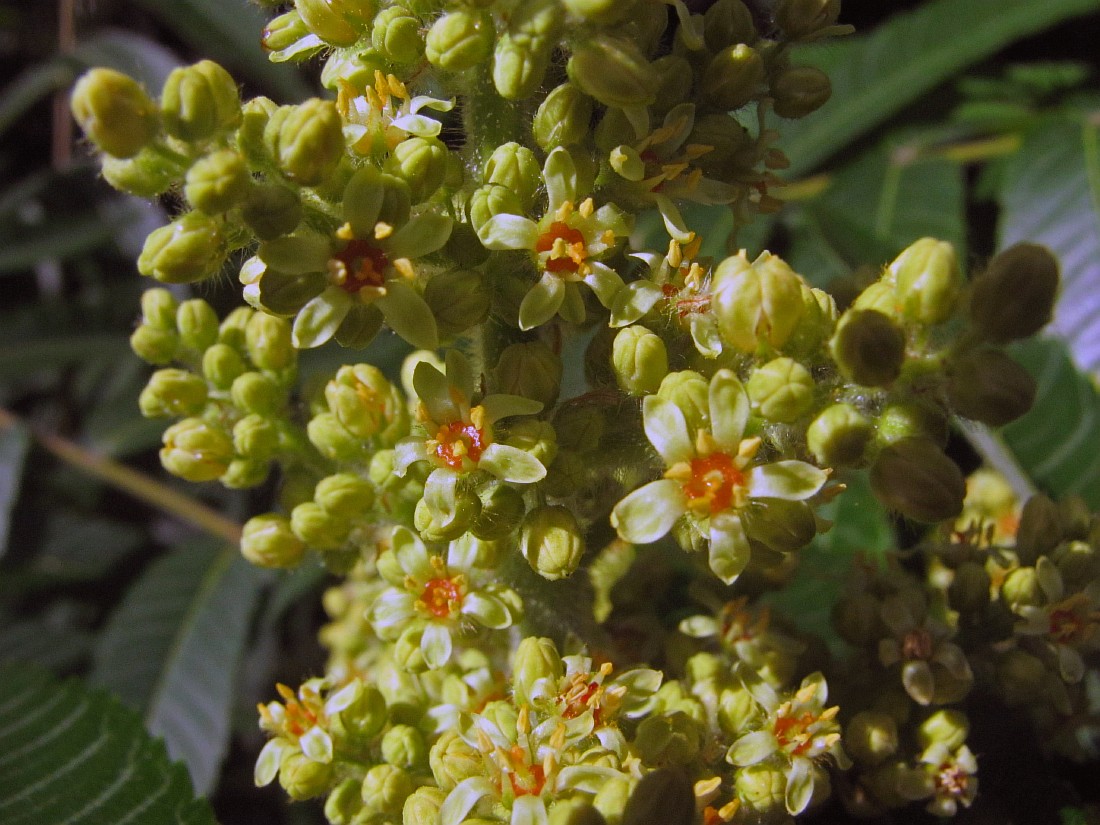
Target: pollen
{"points": [[459, 444], [442, 597], [712, 483]]}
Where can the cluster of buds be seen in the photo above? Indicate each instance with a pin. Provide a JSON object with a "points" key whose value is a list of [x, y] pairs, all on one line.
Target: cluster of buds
{"points": [[471, 186]]}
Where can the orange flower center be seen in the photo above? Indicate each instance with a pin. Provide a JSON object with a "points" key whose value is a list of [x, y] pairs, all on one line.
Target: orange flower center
{"points": [[792, 733], [1067, 625], [459, 441], [442, 597], [365, 265], [951, 780], [527, 780], [917, 644], [566, 247], [714, 483]]}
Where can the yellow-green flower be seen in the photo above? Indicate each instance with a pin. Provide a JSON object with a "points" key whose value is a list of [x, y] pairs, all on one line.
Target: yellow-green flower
{"points": [[380, 117], [710, 478]]}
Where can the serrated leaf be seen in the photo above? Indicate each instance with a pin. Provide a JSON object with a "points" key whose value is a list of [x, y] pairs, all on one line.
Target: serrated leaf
{"points": [[1058, 442], [876, 75], [187, 618], [76, 756], [1051, 195], [15, 441]]}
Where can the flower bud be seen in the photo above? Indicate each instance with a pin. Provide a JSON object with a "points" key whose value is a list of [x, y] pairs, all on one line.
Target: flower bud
{"points": [[271, 210], [172, 392], [868, 347], [914, 477], [302, 778], [566, 475], [306, 141], [345, 495], [989, 386], [639, 359], [404, 747], [761, 788], [502, 510], [366, 403], [1014, 297], [268, 541], [396, 35], [221, 364], [676, 83], [190, 248], [780, 525], [345, 803], [564, 117], [460, 39], [871, 737], [287, 36], [913, 419], [254, 392], [928, 281], [519, 65], [458, 299], [727, 23], [839, 436], [452, 760], [800, 18], [268, 341], [155, 345], [1021, 588], [364, 715], [516, 167], [256, 437], [535, 659], [114, 111], [423, 806], [421, 163], [664, 796], [880, 296], [196, 450], [579, 427], [614, 71], [199, 101], [217, 182], [231, 330], [552, 541], [332, 439], [761, 300], [781, 390], [944, 727], [668, 739], [799, 90], [689, 391], [531, 370], [1075, 517], [1040, 529], [317, 527], [385, 789], [255, 116], [733, 77], [447, 526], [147, 174], [574, 812], [489, 200], [336, 21], [969, 589], [158, 308]]}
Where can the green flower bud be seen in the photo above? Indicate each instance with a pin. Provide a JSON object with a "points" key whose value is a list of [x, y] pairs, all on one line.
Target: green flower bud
{"points": [[172, 392], [868, 347], [502, 510], [420, 162], [222, 365], [364, 717], [676, 82], [639, 359], [358, 68], [761, 788], [969, 589], [396, 35], [913, 419], [196, 450], [256, 437], [158, 308], [733, 77], [147, 174], [366, 403], [306, 141], [727, 23], [519, 65], [780, 525], [516, 167], [689, 391], [404, 747], [989, 386], [800, 18], [191, 248], [944, 727], [1075, 516], [423, 806], [573, 812], [552, 541], [489, 200], [579, 427], [1040, 529], [564, 117], [799, 90], [385, 789], [928, 281], [460, 40], [255, 115], [452, 760], [217, 182], [757, 301], [437, 526], [857, 619], [345, 495], [302, 778], [199, 101], [566, 475], [664, 796], [1014, 297], [531, 370], [871, 737], [155, 345], [285, 35], [345, 803], [914, 477], [1021, 588], [880, 296], [839, 436], [458, 299], [336, 21], [535, 659], [671, 739], [319, 528], [254, 392], [269, 541], [268, 342], [114, 111], [611, 798], [614, 71], [332, 439], [781, 390]]}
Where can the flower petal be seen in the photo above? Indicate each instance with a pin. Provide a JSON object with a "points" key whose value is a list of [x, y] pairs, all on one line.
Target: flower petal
{"points": [[572, 308], [704, 333], [501, 405], [422, 235], [316, 744], [459, 373], [542, 302], [296, 254], [489, 611], [729, 548], [674, 221], [408, 315], [560, 174], [800, 785], [791, 480], [752, 748], [363, 196], [918, 681], [649, 512], [512, 464], [462, 798], [435, 644], [434, 391], [729, 409], [605, 282], [407, 452], [667, 430], [528, 810], [633, 301], [506, 231], [418, 125], [319, 319]]}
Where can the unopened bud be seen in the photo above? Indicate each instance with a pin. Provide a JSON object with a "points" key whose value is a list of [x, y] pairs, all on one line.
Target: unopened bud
{"points": [[944, 727], [191, 248], [531, 370], [552, 542], [222, 364], [871, 737], [154, 345], [256, 437], [1014, 297], [199, 101], [268, 341], [458, 298], [306, 141], [800, 90], [302, 778], [761, 300], [928, 281], [614, 71], [345, 494], [217, 182], [147, 174], [519, 65], [989, 386], [727, 23], [761, 788], [268, 541], [868, 347], [271, 211], [255, 392], [780, 525], [516, 167], [336, 21], [639, 360], [536, 659], [172, 392], [421, 163], [460, 39], [781, 390], [799, 18], [913, 419], [317, 527], [689, 391], [1040, 529], [563, 118], [385, 789], [839, 436], [914, 477], [502, 510], [196, 450], [114, 111], [733, 77], [396, 34]]}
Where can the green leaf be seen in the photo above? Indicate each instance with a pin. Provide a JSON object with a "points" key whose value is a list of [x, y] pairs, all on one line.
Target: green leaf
{"points": [[172, 647], [72, 755], [874, 76], [1058, 443], [56, 645], [25, 358], [1051, 195], [15, 441], [229, 33]]}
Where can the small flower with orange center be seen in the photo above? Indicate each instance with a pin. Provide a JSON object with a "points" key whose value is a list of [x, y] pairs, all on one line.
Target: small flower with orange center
{"points": [[946, 778], [381, 116], [711, 477], [797, 732], [438, 596], [933, 668], [566, 244]]}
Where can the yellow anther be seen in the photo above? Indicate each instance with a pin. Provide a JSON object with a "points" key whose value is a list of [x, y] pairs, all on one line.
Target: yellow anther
{"points": [[382, 230], [564, 211], [405, 268], [586, 208]]}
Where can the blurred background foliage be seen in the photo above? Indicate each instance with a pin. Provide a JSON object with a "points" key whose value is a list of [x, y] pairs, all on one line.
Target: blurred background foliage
{"points": [[977, 121]]}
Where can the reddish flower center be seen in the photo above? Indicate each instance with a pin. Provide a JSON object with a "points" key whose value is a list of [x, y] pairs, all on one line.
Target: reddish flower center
{"points": [[441, 597], [459, 441], [714, 482], [365, 265], [951, 780], [1065, 625], [917, 644], [527, 780], [792, 733], [564, 257]]}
